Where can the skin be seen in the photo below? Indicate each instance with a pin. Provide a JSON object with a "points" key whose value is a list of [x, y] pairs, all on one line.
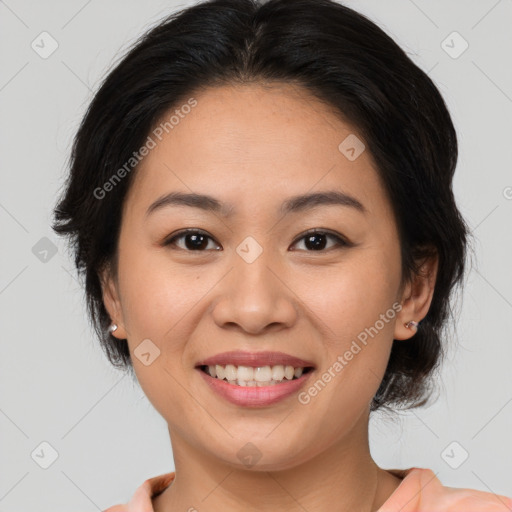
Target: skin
{"points": [[254, 146]]}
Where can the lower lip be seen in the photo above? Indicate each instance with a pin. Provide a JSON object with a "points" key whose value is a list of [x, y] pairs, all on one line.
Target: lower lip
{"points": [[255, 396]]}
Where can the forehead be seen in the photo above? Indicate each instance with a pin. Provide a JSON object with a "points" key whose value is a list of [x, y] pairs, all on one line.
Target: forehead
{"points": [[251, 143]]}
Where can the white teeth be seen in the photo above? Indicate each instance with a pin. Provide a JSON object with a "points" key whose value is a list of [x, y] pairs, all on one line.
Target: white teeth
{"points": [[220, 371], [262, 374], [288, 372], [259, 376], [245, 373], [278, 372], [230, 372]]}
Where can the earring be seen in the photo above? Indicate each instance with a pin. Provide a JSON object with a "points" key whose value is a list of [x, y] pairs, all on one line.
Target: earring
{"points": [[112, 328], [412, 324]]}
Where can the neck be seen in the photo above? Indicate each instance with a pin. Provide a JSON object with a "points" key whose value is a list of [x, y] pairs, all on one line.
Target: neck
{"points": [[343, 477]]}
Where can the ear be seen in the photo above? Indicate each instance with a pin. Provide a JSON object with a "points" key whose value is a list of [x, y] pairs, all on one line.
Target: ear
{"points": [[417, 297], [110, 292]]}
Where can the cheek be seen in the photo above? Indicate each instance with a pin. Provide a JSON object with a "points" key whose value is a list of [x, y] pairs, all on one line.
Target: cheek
{"points": [[157, 292], [161, 386], [351, 295], [350, 303]]}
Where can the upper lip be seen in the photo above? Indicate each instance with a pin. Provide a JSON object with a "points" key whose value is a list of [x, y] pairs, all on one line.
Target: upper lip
{"points": [[255, 359]]}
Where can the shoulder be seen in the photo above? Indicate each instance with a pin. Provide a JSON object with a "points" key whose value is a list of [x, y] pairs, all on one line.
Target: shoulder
{"points": [[422, 491], [141, 500], [455, 499]]}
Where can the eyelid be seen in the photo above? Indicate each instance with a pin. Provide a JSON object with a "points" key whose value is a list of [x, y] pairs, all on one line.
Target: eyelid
{"points": [[170, 240], [342, 241]]}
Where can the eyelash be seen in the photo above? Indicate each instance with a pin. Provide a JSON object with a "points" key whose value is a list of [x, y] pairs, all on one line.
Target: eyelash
{"points": [[339, 240]]}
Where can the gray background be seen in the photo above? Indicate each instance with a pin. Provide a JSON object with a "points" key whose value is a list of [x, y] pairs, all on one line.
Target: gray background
{"points": [[56, 386]]}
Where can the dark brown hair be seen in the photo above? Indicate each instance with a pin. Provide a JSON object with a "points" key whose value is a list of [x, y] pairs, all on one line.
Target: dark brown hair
{"points": [[343, 59]]}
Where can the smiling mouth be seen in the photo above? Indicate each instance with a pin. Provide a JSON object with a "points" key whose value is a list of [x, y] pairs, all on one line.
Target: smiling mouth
{"points": [[248, 376]]}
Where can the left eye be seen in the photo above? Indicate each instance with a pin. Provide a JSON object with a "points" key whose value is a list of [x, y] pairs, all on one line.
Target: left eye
{"points": [[316, 240], [196, 240]]}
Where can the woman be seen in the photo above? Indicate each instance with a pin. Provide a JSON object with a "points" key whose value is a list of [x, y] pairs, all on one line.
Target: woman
{"points": [[261, 201]]}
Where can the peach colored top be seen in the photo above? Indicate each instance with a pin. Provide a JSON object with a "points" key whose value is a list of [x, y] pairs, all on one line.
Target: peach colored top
{"points": [[420, 491]]}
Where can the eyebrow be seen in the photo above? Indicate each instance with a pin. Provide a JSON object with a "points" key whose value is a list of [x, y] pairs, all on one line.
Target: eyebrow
{"points": [[293, 204]]}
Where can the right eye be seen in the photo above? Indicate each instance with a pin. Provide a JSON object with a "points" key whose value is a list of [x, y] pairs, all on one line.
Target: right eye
{"points": [[194, 240]]}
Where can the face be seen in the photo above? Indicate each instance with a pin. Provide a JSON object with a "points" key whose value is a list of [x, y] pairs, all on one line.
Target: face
{"points": [[319, 280]]}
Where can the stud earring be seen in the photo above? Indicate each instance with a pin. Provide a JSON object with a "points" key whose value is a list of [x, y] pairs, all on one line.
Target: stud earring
{"points": [[112, 328], [412, 325]]}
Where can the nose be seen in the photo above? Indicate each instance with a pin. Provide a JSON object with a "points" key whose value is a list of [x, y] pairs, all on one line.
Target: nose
{"points": [[254, 297]]}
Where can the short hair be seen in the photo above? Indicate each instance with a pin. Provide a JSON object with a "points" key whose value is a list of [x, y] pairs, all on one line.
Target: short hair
{"points": [[344, 60]]}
